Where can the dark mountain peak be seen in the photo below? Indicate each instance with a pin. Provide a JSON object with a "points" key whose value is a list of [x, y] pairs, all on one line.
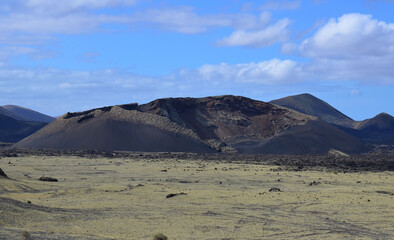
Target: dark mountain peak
{"points": [[306, 95], [311, 105], [384, 115]]}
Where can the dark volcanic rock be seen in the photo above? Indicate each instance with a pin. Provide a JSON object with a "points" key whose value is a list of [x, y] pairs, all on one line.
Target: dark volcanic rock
{"points": [[48, 179], [175, 194], [2, 174], [275, 189], [314, 183]]}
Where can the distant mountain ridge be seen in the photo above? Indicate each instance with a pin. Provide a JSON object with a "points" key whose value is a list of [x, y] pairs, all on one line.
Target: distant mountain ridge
{"points": [[12, 130], [377, 130], [10, 114], [25, 114], [211, 124], [17, 122]]}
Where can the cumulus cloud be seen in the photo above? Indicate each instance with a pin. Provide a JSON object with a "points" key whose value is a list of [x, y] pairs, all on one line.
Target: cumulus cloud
{"points": [[352, 47], [268, 36], [351, 36]]}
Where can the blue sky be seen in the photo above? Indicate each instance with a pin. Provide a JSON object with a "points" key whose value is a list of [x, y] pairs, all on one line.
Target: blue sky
{"points": [[71, 55]]}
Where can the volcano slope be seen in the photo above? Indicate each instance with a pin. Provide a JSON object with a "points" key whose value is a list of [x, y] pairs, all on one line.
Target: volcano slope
{"points": [[311, 105], [211, 124]]}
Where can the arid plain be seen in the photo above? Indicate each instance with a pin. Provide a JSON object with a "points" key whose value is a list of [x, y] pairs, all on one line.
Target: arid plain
{"points": [[98, 197]]}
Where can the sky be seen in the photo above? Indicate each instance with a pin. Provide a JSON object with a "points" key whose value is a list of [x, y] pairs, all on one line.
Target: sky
{"points": [[59, 56]]}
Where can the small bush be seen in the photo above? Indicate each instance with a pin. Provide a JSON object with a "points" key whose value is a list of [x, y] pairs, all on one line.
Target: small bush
{"points": [[160, 237], [26, 235]]}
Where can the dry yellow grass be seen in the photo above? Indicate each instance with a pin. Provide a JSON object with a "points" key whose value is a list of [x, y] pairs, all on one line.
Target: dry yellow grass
{"points": [[103, 198]]}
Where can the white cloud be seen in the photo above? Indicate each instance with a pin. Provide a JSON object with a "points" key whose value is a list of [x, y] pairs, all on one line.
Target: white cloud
{"points": [[249, 21], [269, 72], [185, 20], [65, 90], [268, 36], [351, 36], [373, 70], [34, 18], [37, 21], [281, 5], [353, 47], [32, 25]]}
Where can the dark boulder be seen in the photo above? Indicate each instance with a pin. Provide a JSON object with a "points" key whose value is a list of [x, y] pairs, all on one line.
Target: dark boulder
{"points": [[48, 179], [2, 174]]}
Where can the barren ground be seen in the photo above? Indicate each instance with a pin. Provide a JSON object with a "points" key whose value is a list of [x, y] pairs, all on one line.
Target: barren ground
{"points": [[124, 197]]}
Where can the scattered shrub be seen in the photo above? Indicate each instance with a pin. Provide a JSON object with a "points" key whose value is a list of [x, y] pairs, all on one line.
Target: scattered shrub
{"points": [[160, 236], [26, 235], [175, 194], [275, 189]]}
